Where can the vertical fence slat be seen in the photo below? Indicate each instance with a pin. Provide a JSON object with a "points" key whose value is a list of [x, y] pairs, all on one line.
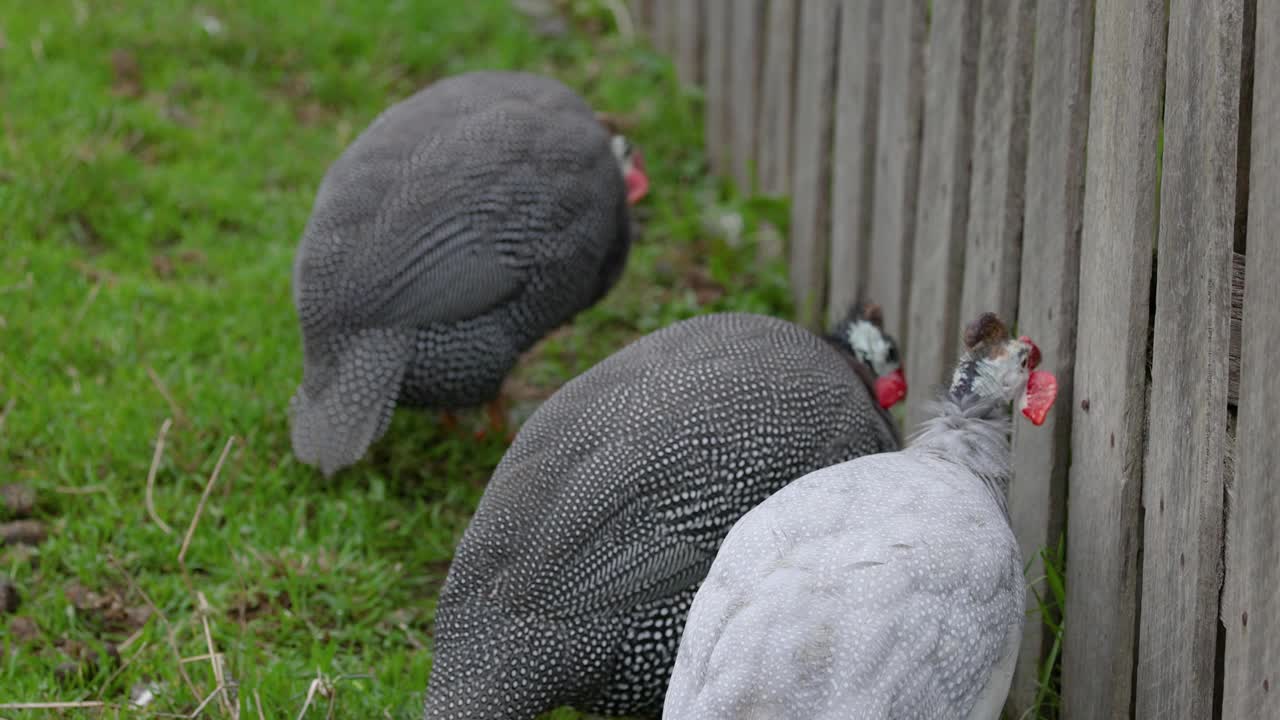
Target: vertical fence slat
{"points": [[1047, 299], [1251, 613], [811, 169], [642, 12], [658, 24], [992, 249], [897, 164], [716, 67], [777, 101], [745, 62], [1103, 525], [943, 200], [665, 22], [689, 34], [854, 152], [1187, 440]]}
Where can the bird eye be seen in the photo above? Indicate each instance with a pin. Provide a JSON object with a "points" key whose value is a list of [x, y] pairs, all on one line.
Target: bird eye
{"points": [[1025, 357]]}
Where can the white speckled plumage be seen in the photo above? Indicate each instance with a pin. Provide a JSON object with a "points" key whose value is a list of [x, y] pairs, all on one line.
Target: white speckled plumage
{"points": [[886, 587], [573, 580], [462, 225]]}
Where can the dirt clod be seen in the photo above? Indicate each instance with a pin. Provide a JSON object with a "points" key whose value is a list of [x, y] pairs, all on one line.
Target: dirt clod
{"points": [[10, 599], [162, 265], [107, 607], [24, 629], [705, 289], [126, 74], [85, 662], [251, 606], [67, 673], [23, 532], [18, 499]]}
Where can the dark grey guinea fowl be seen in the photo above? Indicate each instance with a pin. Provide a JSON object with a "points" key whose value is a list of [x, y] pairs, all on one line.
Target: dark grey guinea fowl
{"points": [[573, 580], [464, 224]]}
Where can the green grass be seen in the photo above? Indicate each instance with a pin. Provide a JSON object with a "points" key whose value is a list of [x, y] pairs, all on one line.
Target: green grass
{"points": [[1050, 611], [157, 164]]}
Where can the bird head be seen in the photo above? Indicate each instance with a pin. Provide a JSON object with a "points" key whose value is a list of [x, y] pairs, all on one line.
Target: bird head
{"points": [[998, 367], [631, 162], [862, 332]]}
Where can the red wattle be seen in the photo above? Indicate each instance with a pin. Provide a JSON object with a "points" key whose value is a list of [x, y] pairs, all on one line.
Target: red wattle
{"points": [[637, 181], [891, 388], [1042, 390]]}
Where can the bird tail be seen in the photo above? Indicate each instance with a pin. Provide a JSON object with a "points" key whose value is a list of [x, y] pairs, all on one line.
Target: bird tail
{"points": [[348, 402]]}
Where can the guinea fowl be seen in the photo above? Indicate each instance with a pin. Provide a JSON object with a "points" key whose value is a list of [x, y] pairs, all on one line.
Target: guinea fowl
{"points": [[885, 587], [460, 227], [571, 584]]}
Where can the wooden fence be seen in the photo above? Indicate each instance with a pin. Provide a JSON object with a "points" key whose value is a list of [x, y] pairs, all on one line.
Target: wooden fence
{"points": [[1090, 170]]}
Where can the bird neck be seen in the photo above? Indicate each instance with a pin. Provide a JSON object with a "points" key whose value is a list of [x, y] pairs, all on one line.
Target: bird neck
{"points": [[868, 379], [971, 432]]}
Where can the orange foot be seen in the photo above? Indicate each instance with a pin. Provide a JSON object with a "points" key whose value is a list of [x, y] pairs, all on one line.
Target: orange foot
{"points": [[497, 412]]}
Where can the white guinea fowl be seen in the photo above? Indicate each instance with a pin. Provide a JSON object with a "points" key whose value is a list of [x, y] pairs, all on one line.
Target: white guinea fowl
{"points": [[889, 586]]}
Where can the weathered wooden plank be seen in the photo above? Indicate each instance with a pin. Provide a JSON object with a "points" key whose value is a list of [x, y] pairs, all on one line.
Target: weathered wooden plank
{"points": [[689, 33], [1059, 118], [1104, 524], [943, 202], [897, 164], [745, 63], [854, 143], [716, 67], [1251, 605], [642, 14], [1187, 431], [671, 15], [656, 23], [992, 246], [811, 166], [664, 25], [777, 99]]}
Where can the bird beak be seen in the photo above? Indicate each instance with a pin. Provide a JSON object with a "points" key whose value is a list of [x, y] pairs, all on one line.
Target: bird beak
{"points": [[1033, 360], [891, 388], [1042, 387], [637, 181]]}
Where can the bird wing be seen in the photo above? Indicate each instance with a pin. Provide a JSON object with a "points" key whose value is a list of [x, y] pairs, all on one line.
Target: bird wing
{"points": [[453, 223], [640, 563], [447, 274]]}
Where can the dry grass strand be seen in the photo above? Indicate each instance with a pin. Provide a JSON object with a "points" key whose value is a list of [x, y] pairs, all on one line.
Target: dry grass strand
{"points": [[204, 498], [168, 396], [151, 477]]}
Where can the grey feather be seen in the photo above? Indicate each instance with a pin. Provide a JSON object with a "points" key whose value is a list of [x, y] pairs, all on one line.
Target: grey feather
{"points": [[884, 588], [471, 218], [573, 580]]}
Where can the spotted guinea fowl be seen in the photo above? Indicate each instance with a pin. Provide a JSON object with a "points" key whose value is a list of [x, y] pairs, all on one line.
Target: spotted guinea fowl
{"points": [[465, 223], [889, 586], [571, 584]]}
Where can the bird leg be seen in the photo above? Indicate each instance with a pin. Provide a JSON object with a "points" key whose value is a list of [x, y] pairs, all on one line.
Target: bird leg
{"points": [[496, 410]]}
